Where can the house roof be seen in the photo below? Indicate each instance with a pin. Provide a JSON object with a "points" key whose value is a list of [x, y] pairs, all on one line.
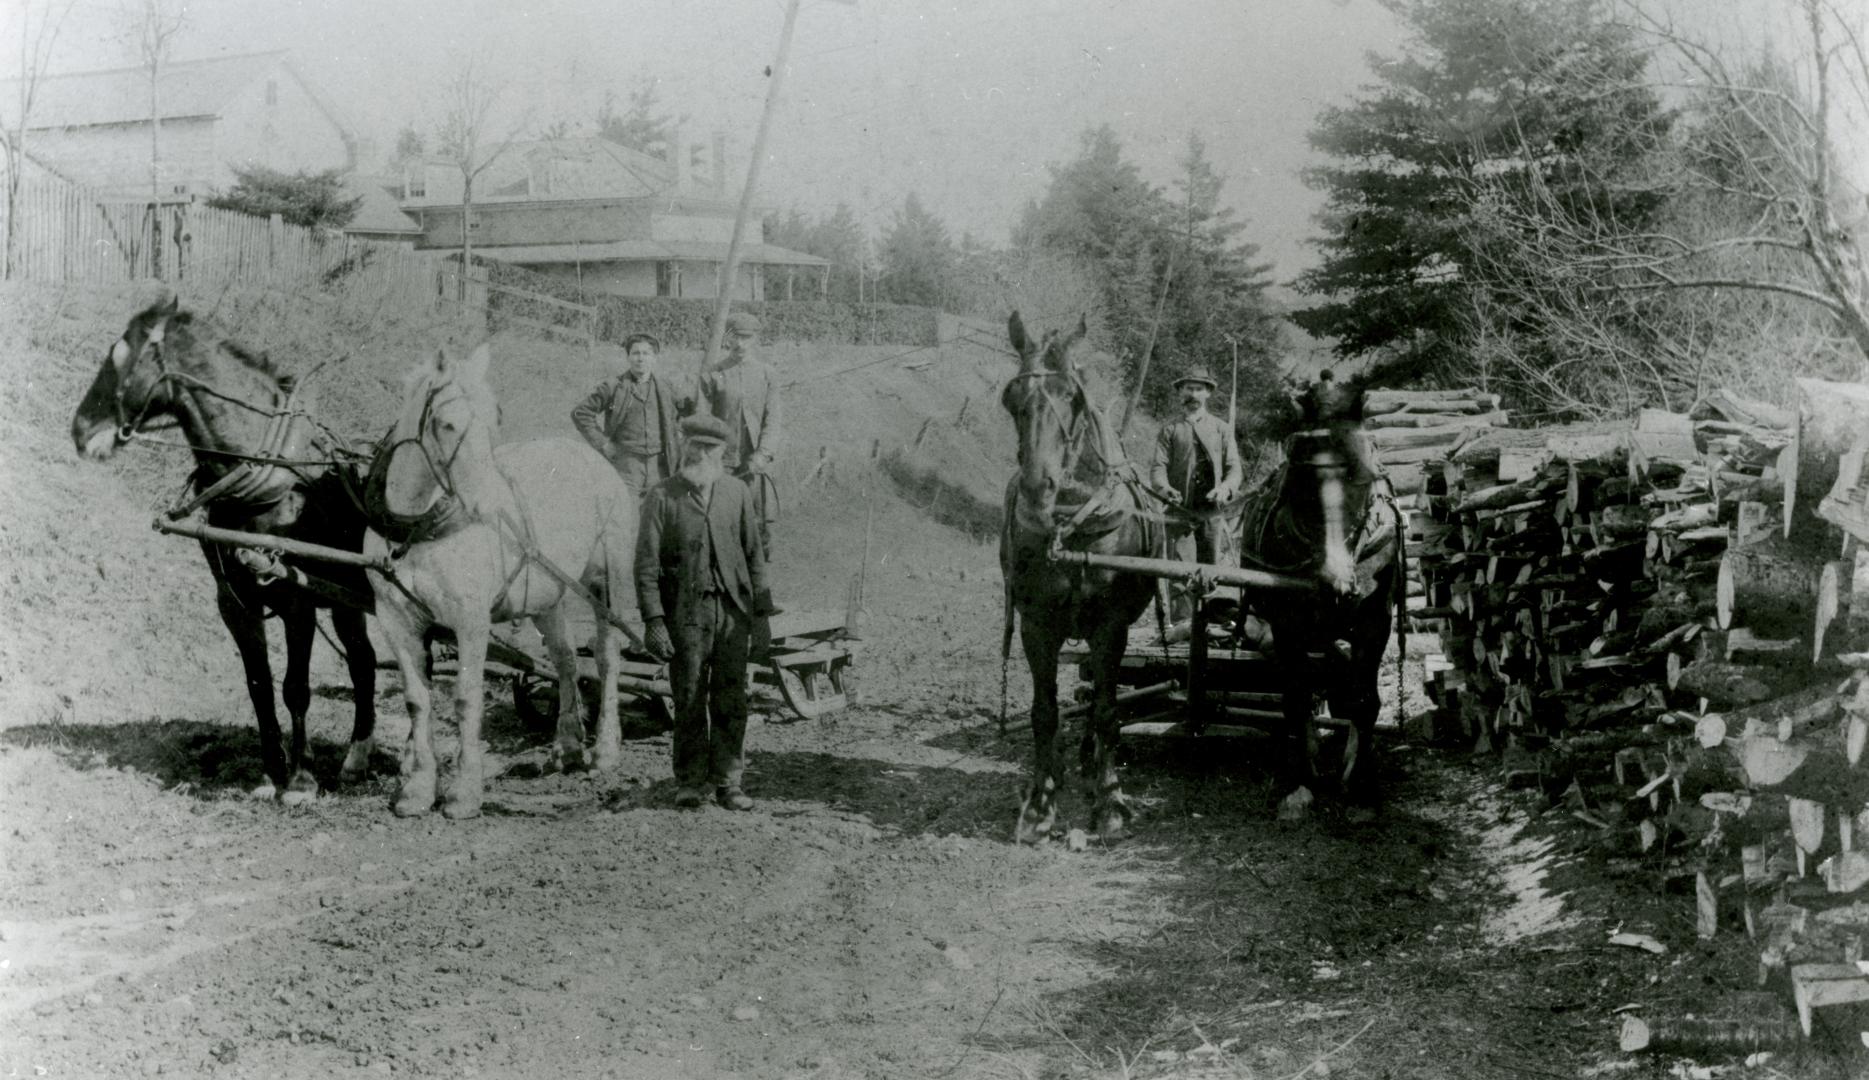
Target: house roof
{"points": [[646, 251], [580, 167], [188, 88], [378, 213]]}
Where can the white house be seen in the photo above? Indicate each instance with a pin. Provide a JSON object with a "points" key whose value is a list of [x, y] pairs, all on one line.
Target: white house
{"points": [[253, 109], [606, 217]]}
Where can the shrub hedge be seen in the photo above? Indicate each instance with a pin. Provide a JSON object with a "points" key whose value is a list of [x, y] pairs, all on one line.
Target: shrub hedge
{"points": [[683, 323]]}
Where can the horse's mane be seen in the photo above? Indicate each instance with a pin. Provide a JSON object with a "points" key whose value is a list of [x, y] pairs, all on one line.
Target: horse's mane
{"points": [[206, 332]]}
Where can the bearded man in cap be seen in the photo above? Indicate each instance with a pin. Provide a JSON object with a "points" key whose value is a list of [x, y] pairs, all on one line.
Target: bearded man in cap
{"points": [[1197, 462], [701, 581], [743, 393], [631, 419]]}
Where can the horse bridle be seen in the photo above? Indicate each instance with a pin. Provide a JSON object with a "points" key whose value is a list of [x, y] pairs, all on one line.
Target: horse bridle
{"points": [[1075, 427], [443, 473]]}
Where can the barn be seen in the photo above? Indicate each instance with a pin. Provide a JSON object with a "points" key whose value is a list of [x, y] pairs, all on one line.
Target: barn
{"points": [[93, 127]]}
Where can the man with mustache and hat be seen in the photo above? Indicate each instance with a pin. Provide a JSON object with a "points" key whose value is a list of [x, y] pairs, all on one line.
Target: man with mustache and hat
{"points": [[1197, 462], [701, 583]]}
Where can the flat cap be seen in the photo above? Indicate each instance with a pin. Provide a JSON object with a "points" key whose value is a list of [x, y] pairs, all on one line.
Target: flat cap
{"points": [[704, 428], [654, 342], [743, 324], [1198, 375]]}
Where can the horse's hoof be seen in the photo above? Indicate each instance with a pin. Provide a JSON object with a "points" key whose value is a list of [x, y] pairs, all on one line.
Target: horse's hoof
{"points": [[263, 792], [460, 809], [571, 761], [1296, 806], [356, 763], [1033, 828], [414, 801], [604, 761], [1113, 821], [298, 797]]}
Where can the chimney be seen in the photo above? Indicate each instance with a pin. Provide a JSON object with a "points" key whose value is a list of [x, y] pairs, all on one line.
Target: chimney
{"points": [[678, 158], [720, 164]]}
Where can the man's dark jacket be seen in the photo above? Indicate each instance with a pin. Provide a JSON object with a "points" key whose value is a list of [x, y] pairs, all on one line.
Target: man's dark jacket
{"points": [[685, 549]]}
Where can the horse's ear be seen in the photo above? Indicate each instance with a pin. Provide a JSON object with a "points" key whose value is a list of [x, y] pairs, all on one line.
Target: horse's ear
{"points": [[1015, 331], [1082, 331], [170, 305]]}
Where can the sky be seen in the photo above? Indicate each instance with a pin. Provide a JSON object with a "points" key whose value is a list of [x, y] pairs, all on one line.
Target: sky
{"points": [[966, 102]]}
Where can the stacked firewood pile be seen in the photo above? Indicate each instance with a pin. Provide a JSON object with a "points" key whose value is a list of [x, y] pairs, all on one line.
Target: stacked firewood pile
{"points": [[1662, 622], [1413, 432]]}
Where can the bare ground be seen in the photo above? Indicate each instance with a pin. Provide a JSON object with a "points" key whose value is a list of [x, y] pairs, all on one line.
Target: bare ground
{"points": [[870, 919]]}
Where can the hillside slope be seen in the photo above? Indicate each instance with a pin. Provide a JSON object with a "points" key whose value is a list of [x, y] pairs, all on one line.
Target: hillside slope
{"points": [[104, 620]]}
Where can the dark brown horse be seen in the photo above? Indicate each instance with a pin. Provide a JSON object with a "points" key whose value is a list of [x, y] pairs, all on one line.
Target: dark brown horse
{"points": [[1328, 514], [1073, 490], [250, 437]]}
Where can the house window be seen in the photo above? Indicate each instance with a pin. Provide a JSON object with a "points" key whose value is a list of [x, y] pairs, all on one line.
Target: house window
{"points": [[668, 279], [272, 91], [414, 187], [180, 189]]}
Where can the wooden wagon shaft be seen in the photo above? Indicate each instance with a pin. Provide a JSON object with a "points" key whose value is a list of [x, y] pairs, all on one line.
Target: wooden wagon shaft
{"points": [[1124, 698], [267, 542], [1174, 568]]}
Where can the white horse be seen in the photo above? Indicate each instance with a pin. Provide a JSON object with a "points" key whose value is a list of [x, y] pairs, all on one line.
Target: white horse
{"points": [[494, 519]]}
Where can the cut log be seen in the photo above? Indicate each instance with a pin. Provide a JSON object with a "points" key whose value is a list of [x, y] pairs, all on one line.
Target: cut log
{"points": [[1729, 685], [1829, 592], [1818, 986], [1386, 439], [1496, 418], [1832, 418], [1769, 587]]}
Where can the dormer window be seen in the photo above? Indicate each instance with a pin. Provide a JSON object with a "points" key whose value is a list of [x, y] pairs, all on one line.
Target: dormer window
{"points": [[414, 186]]}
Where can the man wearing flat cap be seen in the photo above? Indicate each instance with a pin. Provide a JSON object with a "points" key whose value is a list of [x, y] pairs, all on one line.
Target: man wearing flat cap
{"points": [[631, 418], [701, 581], [1197, 461], [743, 393]]}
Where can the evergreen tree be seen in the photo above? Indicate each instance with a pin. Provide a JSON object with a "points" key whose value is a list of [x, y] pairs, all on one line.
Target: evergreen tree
{"points": [[918, 258], [1488, 89], [312, 199], [640, 124]]}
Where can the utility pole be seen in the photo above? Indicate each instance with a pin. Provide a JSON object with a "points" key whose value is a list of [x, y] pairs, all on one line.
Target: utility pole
{"points": [[724, 294]]}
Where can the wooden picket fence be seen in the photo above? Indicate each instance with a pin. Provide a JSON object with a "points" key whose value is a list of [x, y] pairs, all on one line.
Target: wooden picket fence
{"points": [[61, 232]]}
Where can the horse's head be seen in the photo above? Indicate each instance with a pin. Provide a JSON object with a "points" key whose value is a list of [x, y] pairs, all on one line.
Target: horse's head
{"points": [[135, 383], [1329, 474], [1052, 412], [442, 444]]}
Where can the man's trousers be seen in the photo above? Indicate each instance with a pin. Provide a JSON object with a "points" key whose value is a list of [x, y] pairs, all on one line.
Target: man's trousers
{"points": [[708, 674]]}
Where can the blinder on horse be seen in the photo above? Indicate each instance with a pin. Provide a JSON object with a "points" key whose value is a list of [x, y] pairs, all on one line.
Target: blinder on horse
{"points": [[444, 515]]}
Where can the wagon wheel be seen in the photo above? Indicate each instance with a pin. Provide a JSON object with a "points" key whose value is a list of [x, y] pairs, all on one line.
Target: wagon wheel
{"points": [[815, 688], [536, 699]]}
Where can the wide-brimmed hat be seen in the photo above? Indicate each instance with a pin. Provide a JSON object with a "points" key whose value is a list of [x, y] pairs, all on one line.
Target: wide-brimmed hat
{"points": [[708, 429], [743, 324], [1198, 375]]}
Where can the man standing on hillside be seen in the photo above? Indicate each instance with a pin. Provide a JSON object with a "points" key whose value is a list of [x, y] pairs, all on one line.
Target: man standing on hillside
{"points": [[630, 419], [1197, 460], [743, 393], [699, 562]]}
